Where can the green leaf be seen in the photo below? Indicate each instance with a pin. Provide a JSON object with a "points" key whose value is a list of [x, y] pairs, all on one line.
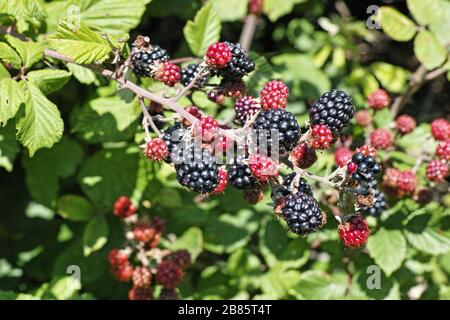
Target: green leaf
{"points": [[95, 235], [222, 7], [428, 240], [82, 74], [263, 73], [77, 41], [121, 17], [315, 284], [388, 249], [191, 240], [30, 52], [3, 72], [41, 126], [439, 26], [278, 282], [75, 208], [397, 26], [425, 11], [304, 79], [65, 287], [9, 55], [420, 136], [11, 97], [274, 9], [9, 147], [203, 31], [25, 12], [383, 118], [107, 119], [49, 80], [276, 248], [102, 182], [47, 166], [391, 77], [428, 50]]}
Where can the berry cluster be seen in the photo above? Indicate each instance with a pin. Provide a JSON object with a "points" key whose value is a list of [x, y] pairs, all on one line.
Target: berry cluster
{"points": [[143, 263], [363, 169]]}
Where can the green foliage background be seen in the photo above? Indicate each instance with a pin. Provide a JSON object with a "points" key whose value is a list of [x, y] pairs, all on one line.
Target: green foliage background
{"points": [[68, 149]]}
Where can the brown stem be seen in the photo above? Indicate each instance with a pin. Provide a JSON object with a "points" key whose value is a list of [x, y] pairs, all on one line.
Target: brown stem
{"points": [[185, 59], [201, 73], [148, 120], [248, 31]]}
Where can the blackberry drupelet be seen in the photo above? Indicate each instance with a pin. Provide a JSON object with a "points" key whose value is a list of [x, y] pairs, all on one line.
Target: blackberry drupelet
{"points": [[367, 168], [172, 136], [189, 73], [239, 65], [333, 109], [284, 122], [196, 168], [302, 186], [240, 176], [144, 60], [378, 206], [302, 213]]}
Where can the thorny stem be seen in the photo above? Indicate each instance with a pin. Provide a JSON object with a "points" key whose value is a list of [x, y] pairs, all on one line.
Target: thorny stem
{"points": [[148, 120], [248, 31]]}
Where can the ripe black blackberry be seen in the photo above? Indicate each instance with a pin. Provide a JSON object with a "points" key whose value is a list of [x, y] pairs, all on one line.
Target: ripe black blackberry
{"points": [[367, 169], [378, 206], [302, 185], [196, 168], [172, 136], [240, 63], [302, 213], [245, 108], [189, 73], [334, 109], [240, 176], [143, 61], [284, 122]]}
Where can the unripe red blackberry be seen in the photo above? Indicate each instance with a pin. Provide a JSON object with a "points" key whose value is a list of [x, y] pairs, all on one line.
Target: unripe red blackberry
{"points": [[304, 156], [262, 167], [222, 144], [123, 207], [405, 124], [253, 196], [274, 95], [379, 99], [218, 55], [206, 129], [240, 63], [440, 128], [193, 110], [255, 7], [363, 118], [245, 108], [233, 87], [169, 275], [117, 257], [182, 258], [156, 149], [189, 73], [302, 213], [407, 181], [391, 177], [145, 232], [122, 272], [381, 138], [443, 150], [342, 156], [223, 182], [333, 109], [354, 232], [142, 277], [321, 137], [140, 293], [168, 294], [437, 170], [168, 73], [288, 130], [367, 150]]}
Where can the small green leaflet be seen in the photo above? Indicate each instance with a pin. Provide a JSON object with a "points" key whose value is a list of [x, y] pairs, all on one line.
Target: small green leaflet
{"points": [[9, 55], [203, 31], [30, 52], [11, 96], [49, 80], [397, 26], [77, 41], [95, 235]]}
